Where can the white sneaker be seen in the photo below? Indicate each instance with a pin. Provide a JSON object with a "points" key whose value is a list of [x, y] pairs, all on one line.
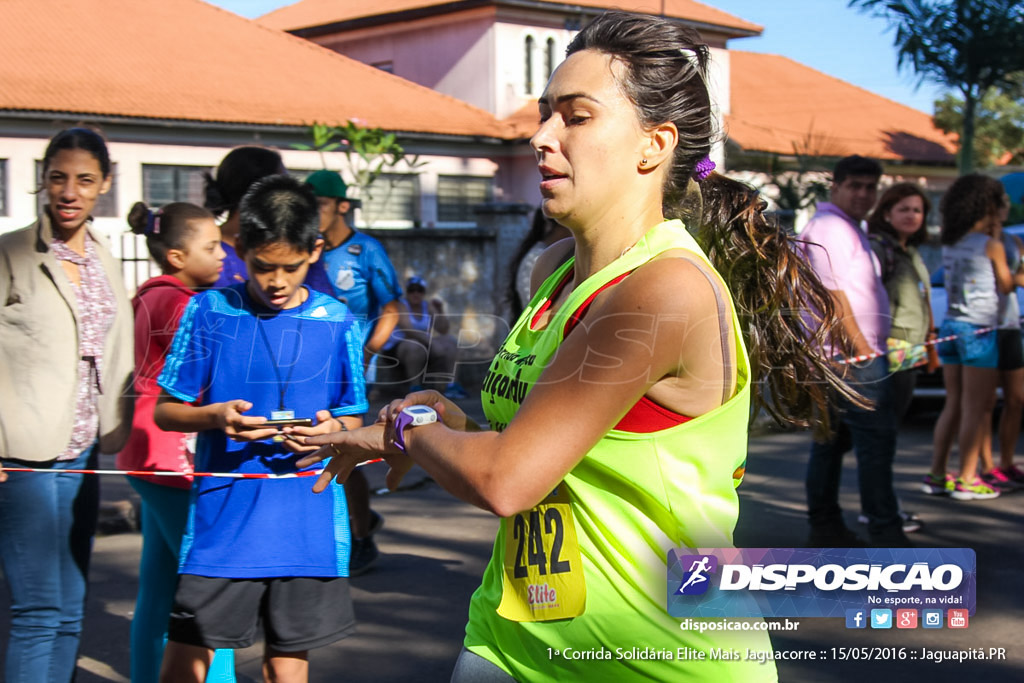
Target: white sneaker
{"points": [[911, 522]]}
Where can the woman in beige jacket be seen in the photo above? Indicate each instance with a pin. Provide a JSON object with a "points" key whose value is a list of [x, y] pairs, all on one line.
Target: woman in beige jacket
{"points": [[65, 378]]}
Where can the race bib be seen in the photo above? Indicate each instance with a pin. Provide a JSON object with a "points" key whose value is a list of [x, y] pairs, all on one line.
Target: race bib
{"points": [[543, 572]]}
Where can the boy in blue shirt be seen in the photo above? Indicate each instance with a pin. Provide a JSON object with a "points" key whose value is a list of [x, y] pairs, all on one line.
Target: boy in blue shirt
{"points": [[270, 348]]}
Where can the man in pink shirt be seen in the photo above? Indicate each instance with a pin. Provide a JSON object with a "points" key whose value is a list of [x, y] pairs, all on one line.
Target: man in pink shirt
{"points": [[838, 250]]}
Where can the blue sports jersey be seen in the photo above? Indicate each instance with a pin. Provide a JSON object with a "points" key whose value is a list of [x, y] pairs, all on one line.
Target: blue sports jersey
{"points": [[362, 276], [226, 348]]}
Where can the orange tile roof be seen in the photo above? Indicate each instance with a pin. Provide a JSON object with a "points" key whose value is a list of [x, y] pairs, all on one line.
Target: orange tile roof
{"points": [[525, 121], [778, 103], [308, 13], [187, 60]]}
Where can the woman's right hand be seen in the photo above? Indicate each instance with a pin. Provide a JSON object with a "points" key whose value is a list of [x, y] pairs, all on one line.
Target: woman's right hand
{"points": [[3, 477], [448, 411]]}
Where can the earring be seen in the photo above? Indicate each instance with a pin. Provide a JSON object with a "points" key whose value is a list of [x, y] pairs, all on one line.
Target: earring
{"points": [[643, 162]]}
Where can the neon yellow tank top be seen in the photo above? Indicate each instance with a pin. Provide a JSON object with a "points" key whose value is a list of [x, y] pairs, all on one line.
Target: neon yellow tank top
{"points": [[576, 588]]}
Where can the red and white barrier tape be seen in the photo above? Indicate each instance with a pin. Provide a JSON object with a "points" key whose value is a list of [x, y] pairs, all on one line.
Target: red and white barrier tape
{"points": [[932, 342], [295, 475], [149, 473]]}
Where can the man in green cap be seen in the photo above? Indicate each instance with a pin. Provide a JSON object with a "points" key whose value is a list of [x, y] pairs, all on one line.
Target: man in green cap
{"points": [[364, 279]]}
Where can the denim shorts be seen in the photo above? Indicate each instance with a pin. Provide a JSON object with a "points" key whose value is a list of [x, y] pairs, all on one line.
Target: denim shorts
{"points": [[968, 348]]}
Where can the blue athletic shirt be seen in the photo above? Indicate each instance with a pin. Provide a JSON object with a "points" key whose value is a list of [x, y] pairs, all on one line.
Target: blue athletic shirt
{"points": [[362, 276], [253, 528]]}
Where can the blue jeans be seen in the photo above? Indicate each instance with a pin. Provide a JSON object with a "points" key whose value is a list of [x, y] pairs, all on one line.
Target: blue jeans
{"points": [[164, 515], [872, 435], [47, 522], [472, 668]]}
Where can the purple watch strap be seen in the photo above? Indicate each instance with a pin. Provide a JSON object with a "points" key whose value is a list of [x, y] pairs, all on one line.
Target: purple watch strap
{"points": [[401, 422]]}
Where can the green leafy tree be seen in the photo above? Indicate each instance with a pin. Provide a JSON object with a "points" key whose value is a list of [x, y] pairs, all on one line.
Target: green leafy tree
{"points": [[970, 46], [999, 124], [369, 154], [323, 136]]}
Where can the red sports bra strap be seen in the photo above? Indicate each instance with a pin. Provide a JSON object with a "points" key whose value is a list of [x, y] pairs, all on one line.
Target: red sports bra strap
{"points": [[646, 417], [554, 295], [576, 317]]}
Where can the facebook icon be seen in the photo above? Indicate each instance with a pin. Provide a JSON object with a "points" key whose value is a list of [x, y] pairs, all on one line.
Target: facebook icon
{"points": [[856, 618]]}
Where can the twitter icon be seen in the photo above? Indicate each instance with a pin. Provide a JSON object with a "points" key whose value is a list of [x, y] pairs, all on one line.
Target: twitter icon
{"points": [[881, 618]]}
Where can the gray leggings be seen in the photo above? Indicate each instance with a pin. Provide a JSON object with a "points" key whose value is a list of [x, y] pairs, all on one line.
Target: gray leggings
{"points": [[472, 668]]}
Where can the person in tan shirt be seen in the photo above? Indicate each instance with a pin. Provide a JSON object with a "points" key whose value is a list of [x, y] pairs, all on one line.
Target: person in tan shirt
{"points": [[65, 388]]}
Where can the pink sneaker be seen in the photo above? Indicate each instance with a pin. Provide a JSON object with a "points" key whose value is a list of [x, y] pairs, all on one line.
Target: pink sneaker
{"points": [[1013, 473], [999, 481]]}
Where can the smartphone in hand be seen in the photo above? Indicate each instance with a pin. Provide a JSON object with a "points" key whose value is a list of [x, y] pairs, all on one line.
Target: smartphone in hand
{"points": [[289, 422]]}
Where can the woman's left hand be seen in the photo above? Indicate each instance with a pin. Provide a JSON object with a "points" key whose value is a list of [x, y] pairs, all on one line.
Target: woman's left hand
{"points": [[325, 424]]}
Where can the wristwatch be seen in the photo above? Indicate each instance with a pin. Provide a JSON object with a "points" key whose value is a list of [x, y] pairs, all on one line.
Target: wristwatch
{"points": [[413, 416]]}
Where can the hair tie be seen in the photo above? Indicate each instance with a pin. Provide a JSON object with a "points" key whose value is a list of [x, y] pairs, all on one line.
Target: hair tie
{"points": [[703, 168], [153, 222]]}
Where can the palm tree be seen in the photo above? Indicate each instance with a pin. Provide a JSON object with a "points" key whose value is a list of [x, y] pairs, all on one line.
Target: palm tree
{"points": [[965, 45]]}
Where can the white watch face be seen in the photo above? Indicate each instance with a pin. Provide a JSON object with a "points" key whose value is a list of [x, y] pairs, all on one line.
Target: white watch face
{"points": [[421, 415]]}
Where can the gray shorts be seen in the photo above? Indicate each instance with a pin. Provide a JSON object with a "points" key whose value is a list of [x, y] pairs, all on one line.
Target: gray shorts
{"points": [[298, 613]]}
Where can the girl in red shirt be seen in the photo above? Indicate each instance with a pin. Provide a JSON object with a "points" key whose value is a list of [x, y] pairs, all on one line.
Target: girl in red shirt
{"points": [[186, 242]]}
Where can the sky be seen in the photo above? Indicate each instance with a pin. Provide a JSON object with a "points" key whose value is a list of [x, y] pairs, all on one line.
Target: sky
{"points": [[823, 34]]}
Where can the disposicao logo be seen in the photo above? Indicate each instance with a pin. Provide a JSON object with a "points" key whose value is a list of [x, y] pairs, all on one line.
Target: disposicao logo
{"points": [[784, 582]]}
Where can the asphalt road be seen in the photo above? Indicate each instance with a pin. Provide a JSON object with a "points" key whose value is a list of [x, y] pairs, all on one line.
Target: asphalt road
{"points": [[411, 608]]}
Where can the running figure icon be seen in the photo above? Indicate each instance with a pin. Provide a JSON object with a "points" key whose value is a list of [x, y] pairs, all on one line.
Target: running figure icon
{"points": [[696, 570]]}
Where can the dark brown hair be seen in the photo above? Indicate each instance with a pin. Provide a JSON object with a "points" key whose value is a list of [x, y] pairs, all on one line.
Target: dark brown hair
{"points": [[877, 225], [167, 228], [786, 314], [665, 77], [236, 173], [970, 199], [83, 138], [279, 209], [853, 165]]}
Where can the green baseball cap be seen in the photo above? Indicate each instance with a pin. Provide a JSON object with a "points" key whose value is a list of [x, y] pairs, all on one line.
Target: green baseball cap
{"points": [[327, 184]]}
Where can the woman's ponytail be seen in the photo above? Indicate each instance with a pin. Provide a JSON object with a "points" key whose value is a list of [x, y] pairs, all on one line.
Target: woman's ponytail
{"points": [[787, 315]]}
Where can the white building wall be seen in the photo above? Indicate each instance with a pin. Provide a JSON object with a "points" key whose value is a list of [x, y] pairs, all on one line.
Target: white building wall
{"points": [[719, 87], [510, 65], [22, 153], [454, 56], [470, 79]]}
